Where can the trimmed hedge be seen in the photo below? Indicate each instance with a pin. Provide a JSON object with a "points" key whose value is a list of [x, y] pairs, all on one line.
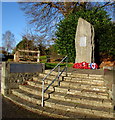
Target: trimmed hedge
{"points": [[52, 65]]}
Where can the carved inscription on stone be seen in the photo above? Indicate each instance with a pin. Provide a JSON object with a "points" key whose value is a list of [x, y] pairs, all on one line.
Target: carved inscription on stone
{"points": [[82, 41]]}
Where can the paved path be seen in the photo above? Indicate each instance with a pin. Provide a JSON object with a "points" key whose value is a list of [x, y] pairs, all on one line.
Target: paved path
{"points": [[11, 110]]}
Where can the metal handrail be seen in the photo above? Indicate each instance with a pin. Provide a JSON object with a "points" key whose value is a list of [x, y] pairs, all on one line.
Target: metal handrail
{"points": [[57, 77]]}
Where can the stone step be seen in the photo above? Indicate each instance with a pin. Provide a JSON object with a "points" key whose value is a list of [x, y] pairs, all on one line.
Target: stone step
{"points": [[86, 71], [66, 88], [98, 102], [43, 111], [35, 90], [86, 81], [85, 76], [83, 86], [39, 84], [74, 80], [89, 76], [73, 107], [74, 76], [82, 79], [35, 99], [54, 72], [48, 80], [78, 91], [84, 92], [80, 84], [51, 77], [48, 111], [79, 75]]}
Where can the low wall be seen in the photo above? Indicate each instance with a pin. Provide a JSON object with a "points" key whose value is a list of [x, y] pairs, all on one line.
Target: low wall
{"points": [[13, 74], [109, 77]]}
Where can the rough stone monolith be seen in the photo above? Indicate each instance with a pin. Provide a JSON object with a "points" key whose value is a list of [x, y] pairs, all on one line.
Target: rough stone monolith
{"points": [[84, 42]]}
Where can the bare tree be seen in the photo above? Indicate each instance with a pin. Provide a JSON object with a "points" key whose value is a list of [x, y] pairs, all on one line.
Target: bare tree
{"points": [[45, 15], [32, 35], [39, 41], [8, 41]]}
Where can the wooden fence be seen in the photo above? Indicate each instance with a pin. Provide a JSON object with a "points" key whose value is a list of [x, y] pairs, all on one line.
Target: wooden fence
{"points": [[26, 55]]}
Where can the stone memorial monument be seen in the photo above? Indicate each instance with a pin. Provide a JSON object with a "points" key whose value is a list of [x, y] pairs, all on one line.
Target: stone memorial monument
{"points": [[84, 42]]}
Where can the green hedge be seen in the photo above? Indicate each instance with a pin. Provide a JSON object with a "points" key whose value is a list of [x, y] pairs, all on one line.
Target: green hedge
{"points": [[43, 59], [52, 65]]}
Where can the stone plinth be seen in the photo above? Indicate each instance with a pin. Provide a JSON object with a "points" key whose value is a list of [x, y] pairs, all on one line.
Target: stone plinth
{"points": [[84, 42]]}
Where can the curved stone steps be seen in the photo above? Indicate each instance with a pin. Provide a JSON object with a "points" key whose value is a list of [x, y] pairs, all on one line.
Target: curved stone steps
{"points": [[84, 80], [68, 96], [63, 105], [92, 79], [86, 76], [67, 106], [82, 92], [74, 75], [78, 96], [51, 77], [34, 90], [79, 75], [39, 83], [82, 100], [73, 80], [71, 84], [36, 99], [47, 111], [44, 111], [71, 90]]}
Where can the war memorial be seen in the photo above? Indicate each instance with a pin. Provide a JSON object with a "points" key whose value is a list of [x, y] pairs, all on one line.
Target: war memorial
{"points": [[60, 93]]}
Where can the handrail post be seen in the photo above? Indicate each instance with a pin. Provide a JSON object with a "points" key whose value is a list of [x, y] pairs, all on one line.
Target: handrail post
{"points": [[58, 69], [43, 93], [66, 64], [58, 73]]}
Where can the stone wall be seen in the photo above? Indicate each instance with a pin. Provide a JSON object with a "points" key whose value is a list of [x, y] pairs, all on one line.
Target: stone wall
{"points": [[109, 77], [12, 76]]}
